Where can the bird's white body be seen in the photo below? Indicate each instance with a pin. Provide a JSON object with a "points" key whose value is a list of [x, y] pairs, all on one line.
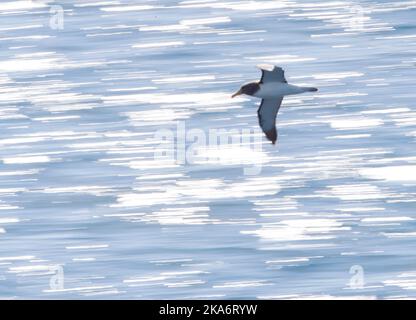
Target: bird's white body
{"points": [[278, 89]]}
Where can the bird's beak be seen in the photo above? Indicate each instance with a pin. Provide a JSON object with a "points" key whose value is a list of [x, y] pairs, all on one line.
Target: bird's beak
{"points": [[237, 93]]}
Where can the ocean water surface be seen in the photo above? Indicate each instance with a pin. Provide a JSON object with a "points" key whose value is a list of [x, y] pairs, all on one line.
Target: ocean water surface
{"points": [[89, 211]]}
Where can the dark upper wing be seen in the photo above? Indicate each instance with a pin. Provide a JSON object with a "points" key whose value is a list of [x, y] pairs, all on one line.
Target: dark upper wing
{"points": [[272, 74], [267, 113]]}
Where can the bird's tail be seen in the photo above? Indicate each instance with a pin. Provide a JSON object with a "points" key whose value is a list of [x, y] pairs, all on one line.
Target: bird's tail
{"points": [[311, 89]]}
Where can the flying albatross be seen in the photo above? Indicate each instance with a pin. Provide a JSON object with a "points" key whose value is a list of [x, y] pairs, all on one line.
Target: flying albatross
{"points": [[271, 88]]}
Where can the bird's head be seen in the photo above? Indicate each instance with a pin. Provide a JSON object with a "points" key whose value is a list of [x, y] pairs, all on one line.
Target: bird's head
{"points": [[248, 89]]}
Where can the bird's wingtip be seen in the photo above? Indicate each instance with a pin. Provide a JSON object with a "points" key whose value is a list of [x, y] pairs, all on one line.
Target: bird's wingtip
{"points": [[271, 135]]}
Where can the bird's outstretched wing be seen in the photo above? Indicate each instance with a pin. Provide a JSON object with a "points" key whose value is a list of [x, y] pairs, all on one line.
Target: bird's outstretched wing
{"points": [[267, 113], [271, 74]]}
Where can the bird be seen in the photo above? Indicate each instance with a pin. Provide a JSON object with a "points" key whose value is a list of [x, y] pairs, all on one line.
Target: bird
{"points": [[271, 88]]}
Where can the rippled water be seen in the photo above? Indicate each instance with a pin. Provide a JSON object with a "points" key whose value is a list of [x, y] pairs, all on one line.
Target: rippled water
{"points": [[87, 211]]}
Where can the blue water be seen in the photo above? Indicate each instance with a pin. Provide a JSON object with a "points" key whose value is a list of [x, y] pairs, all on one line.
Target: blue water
{"points": [[88, 211]]}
